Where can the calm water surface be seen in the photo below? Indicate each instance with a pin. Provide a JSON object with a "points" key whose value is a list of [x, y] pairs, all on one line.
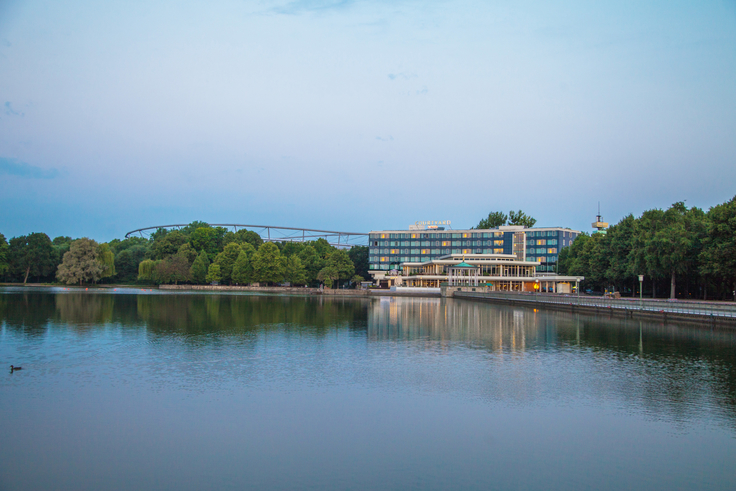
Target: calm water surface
{"points": [[147, 390]]}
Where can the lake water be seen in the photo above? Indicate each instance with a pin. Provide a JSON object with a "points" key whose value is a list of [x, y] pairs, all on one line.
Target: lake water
{"points": [[149, 390]]}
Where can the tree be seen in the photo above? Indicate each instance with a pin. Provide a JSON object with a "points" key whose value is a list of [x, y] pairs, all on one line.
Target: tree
{"points": [[213, 273], [107, 260], [340, 261], [3, 255], [146, 270], [267, 264], [172, 269], [198, 271], [189, 229], [60, 246], [127, 261], [521, 218], [242, 269], [359, 256], [205, 238], [322, 247], [118, 245], [718, 257], [31, 255], [312, 263], [620, 243], [168, 245], [243, 236], [188, 252], [328, 275], [668, 241], [226, 259], [495, 219], [81, 263], [294, 271]]}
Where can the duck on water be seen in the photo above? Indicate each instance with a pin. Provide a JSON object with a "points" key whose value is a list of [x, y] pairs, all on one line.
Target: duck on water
{"points": [[12, 368]]}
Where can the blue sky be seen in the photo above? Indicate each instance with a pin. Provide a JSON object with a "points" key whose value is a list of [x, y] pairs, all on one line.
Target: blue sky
{"points": [[360, 115]]}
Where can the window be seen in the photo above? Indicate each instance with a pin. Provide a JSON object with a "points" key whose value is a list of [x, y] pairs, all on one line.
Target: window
{"points": [[445, 243], [425, 251], [414, 236], [384, 259], [383, 236], [498, 251], [552, 242], [467, 251], [552, 250], [394, 251], [498, 243]]}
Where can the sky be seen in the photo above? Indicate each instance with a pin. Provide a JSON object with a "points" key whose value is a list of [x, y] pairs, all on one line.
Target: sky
{"points": [[357, 115]]}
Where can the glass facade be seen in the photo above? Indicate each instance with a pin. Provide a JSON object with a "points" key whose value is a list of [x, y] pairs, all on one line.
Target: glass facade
{"points": [[387, 250]]}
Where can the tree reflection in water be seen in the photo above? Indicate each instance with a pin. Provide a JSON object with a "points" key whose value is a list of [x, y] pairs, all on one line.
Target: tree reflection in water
{"points": [[671, 369]]}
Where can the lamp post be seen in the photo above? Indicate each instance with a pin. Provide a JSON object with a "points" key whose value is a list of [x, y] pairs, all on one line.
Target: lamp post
{"points": [[641, 287]]}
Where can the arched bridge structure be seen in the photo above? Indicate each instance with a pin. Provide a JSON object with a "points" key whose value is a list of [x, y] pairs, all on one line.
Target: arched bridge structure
{"points": [[271, 233]]}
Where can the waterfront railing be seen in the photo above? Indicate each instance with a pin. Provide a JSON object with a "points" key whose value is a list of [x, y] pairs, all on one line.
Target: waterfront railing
{"points": [[684, 307]]}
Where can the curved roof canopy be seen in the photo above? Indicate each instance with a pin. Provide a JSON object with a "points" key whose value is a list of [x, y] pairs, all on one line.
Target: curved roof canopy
{"points": [[464, 265]]}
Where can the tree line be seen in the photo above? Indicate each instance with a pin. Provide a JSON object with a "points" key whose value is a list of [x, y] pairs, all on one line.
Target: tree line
{"points": [[197, 253], [497, 219], [683, 252]]}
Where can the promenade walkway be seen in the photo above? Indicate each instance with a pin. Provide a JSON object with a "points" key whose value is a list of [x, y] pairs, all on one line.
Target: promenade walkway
{"points": [[674, 309]]}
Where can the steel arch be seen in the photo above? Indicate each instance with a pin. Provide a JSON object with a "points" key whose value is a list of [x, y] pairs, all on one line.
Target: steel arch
{"points": [[270, 233]]}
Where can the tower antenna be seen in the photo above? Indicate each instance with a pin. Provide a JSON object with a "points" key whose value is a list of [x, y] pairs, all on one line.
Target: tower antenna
{"points": [[598, 224]]}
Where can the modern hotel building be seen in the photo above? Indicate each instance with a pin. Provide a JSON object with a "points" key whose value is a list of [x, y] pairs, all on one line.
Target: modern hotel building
{"points": [[389, 249]]}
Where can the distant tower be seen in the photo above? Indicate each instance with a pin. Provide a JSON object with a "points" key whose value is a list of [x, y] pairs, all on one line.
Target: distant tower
{"points": [[598, 225]]}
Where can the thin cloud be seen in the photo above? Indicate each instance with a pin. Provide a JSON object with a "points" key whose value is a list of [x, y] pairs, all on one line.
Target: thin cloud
{"points": [[13, 167], [402, 75], [9, 111], [303, 6]]}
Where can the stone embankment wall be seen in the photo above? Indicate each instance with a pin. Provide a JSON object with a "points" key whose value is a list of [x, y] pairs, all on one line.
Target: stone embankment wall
{"points": [[292, 290], [295, 290]]}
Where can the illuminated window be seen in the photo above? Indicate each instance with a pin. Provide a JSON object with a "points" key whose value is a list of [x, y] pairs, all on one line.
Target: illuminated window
{"points": [[498, 251], [467, 251], [552, 250], [542, 242], [383, 236], [445, 243], [498, 243], [425, 251], [539, 259], [414, 236], [394, 251], [465, 236], [384, 259]]}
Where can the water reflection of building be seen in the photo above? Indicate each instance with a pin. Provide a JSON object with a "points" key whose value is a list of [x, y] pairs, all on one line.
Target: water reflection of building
{"points": [[439, 319]]}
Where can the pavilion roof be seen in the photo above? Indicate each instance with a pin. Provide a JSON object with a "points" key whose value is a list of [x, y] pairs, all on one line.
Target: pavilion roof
{"points": [[464, 265]]}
